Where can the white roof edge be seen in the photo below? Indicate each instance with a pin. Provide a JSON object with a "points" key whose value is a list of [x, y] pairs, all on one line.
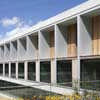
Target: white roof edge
{"points": [[53, 20]]}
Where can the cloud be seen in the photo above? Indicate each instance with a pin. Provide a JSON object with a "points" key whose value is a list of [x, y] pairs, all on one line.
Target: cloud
{"points": [[1, 36], [17, 30], [9, 22], [20, 26], [39, 22]]}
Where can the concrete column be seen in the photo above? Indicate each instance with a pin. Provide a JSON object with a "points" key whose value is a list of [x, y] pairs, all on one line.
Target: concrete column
{"points": [[76, 73], [76, 63], [3, 69], [9, 69], [53, 71], [38, 71], [16, 70], [26, 70]]}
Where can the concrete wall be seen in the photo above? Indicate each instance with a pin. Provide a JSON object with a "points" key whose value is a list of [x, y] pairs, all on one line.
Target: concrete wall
{"points": [[13, 50], [85, 36], [7, 51], [44, 50], [61, 50], [22, 48], [2, 53], [32, 46]]}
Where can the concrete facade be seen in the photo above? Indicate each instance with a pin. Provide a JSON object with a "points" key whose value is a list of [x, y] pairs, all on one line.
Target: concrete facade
{"points": [[34, 45]]}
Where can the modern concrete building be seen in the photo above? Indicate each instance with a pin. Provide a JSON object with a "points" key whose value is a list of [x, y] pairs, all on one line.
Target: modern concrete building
{"points": [[63, 49]]}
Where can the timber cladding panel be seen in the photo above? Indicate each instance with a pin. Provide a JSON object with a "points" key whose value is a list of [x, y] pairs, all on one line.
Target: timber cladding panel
{"points": [[72, 40], [96, 35], [52, 49]]}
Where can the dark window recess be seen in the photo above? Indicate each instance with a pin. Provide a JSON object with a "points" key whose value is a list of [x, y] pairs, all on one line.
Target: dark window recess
{"points": [[64, 72], [31, 71], [21, 70], [6, 69], [13, 70], [90, 74], [45, 71], [1, 69]]}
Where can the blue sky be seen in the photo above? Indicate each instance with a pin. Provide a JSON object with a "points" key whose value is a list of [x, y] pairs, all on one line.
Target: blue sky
{"points": [[18, 15]]}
